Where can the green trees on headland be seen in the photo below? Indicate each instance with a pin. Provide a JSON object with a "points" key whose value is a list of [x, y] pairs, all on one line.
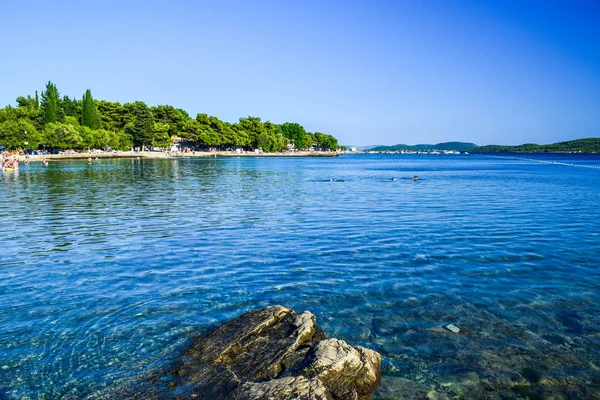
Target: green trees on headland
{"points": [[53, 122], [587, 145]]}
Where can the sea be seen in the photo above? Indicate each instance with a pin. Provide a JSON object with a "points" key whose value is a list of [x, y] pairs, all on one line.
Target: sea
{"points": [[109, 270]]}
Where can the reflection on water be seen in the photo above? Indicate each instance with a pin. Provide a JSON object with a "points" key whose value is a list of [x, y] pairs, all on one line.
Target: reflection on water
{"points": [[107, 269]]}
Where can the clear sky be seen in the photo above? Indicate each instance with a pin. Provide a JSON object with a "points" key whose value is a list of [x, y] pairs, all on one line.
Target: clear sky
{"points": [[368, 72]]}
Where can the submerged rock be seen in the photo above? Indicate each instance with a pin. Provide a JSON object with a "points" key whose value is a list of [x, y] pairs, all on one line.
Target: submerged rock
{"points": [[273, 353]]}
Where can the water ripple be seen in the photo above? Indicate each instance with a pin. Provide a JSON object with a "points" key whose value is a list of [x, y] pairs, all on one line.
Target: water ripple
{"points": [[108, 269]]}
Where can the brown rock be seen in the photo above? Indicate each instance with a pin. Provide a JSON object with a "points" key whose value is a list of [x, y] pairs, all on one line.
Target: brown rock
{"points": [[273, 353]]}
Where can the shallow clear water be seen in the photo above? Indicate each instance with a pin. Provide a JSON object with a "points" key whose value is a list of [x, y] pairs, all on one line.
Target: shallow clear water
{"points": [[107, 270]]}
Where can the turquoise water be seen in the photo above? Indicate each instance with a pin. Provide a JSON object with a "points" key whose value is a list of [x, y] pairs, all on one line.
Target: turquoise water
{"points": [[107, 270]]}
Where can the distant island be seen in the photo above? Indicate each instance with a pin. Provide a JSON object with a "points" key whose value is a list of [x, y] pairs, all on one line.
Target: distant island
{"points": [[587, 145], [450, 146]]}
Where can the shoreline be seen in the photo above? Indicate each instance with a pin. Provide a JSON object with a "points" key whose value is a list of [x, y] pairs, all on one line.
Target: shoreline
{"points": [[155, 155]]}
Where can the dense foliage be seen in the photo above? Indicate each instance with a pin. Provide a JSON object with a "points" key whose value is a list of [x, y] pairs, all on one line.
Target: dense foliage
{"points": [[66, 123], [589, 145]]}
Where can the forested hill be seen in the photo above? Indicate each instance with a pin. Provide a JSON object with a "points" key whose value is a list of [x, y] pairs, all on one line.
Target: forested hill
{"points": [[588, 145], [458, 146], [53, 121]]}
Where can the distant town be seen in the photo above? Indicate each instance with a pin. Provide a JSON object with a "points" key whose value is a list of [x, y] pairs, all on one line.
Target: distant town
{"points": [[432, 151]]}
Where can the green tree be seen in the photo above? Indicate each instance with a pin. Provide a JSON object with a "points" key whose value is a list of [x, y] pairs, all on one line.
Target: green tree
{"points": [[326, 142], [141, 128], [227, 134], [185, 114], [19, 134], [223, 133], [90, 116], [271, 139], [87, 137], [102, 139], [296, 133], [113, 115], [171, 116], [191, 130], [242, 138], [309, 140], [253, 129], [62, 136], [161, 138], [26, 102], [70, 107], [17, 113], [49, 108], [206, 134]]}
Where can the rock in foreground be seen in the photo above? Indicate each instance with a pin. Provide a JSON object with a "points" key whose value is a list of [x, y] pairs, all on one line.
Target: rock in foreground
{"points": [[273, 353]]}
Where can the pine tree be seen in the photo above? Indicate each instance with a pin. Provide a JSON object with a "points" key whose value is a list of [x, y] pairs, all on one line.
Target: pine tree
{"points": [[37, 101], [71, 108], [49, 108], [141, 129], [89, 113]]}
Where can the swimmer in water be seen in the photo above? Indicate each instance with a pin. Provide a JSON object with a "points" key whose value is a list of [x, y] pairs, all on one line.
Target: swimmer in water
{"points": [[415, 178], [394, 179], [89, 160]]}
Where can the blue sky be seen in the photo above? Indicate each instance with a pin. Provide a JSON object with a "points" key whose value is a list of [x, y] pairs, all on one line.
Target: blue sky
{"points": [[368, 72]]}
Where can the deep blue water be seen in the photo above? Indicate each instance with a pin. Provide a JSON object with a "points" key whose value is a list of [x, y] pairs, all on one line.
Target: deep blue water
{"points": [[107, 270]]}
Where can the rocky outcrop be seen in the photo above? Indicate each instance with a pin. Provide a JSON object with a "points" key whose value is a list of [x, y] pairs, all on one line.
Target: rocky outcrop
{"points": [[273, 353]]}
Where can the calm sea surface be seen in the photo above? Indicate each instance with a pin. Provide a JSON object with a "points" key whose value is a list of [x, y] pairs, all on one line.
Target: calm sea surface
{"points": [[108, 270]]}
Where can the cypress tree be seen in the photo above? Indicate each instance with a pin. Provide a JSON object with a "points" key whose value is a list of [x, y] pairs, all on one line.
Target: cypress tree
{"points": [[37, 101], [50, 104], [89, 113]]}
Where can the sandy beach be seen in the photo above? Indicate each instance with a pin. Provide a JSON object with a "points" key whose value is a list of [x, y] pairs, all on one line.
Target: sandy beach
{"points": [[157, 154]]}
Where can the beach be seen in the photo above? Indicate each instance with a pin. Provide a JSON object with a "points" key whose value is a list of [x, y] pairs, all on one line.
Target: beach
{"points": [[161, 154]]}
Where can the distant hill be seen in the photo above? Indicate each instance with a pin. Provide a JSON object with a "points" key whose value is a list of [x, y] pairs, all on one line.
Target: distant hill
{"points": [[588, 145], [365, 148], [458, 146]]}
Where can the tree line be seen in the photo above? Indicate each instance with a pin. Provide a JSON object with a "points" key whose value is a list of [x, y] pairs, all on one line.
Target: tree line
{"points": [[587, 145], [54, 122]]}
